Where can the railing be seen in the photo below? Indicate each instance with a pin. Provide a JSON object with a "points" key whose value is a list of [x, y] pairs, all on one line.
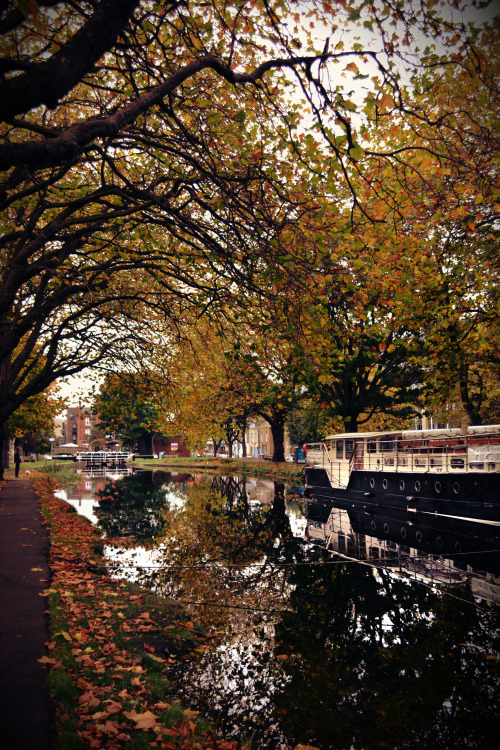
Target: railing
{"points": [[459, 453], [101, 457], [319, 456], [436, 455]]}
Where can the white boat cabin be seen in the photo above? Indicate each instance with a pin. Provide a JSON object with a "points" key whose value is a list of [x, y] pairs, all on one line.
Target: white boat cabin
{"points": [[476, 449]]}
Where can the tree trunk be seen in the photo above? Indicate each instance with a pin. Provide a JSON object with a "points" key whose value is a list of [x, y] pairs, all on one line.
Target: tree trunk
{"points": [[217, 445], [4, 451], [145, 444], [351, 423], [243, 426], [278, 432], [471, 406]]}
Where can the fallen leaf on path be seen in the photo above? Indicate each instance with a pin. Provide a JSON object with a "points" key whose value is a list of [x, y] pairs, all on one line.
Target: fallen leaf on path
{"points": [[47, 660]]}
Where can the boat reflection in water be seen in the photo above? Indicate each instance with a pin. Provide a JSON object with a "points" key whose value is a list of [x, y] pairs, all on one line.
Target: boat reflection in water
{"points": [[437, 549]]}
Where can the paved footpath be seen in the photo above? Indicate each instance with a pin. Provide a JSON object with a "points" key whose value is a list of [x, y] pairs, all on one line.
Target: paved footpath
{"points": [[25, 709]]}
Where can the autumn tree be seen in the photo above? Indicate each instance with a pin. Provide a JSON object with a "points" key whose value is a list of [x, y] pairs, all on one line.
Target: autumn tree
{"points": [[128, 409], [455, 281], [33, 423], [204, 400], [359, 363], [406, 310], [271, 380]]}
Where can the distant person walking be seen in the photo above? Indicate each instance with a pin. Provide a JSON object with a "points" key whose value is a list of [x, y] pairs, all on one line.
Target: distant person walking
{"points": [[17, 460]]}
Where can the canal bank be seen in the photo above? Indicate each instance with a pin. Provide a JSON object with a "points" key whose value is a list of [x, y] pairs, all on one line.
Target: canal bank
{"points": [[285, 471], [110, 646]]}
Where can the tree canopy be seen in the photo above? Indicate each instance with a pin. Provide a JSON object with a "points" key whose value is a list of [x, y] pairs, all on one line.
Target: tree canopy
{"points": [[163, 155]]}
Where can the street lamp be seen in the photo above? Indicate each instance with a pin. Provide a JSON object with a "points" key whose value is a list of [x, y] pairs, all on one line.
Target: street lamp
{"points": [[51, 441]]}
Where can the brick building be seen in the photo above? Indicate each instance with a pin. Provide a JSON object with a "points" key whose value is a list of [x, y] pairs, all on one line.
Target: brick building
{"points": [[78, 426]]}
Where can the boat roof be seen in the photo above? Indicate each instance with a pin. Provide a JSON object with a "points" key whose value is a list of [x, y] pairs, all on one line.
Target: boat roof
{"points": [[358, 435], [411, 434]]}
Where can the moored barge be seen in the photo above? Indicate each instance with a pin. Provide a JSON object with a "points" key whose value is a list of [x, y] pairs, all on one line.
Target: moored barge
{"points": [[447, 471]]}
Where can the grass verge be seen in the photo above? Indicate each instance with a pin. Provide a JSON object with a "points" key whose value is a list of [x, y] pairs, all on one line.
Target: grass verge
{"points": [[111, 647], [267, 469]]}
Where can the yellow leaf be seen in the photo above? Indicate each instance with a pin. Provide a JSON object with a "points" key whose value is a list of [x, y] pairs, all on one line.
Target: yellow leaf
{"points": [[156, 658], [46, 592], [147, 720]]}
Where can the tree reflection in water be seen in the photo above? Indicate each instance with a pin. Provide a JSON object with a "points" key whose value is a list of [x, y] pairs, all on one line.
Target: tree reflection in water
{"points": [[133, 506], [315, 649], [376, 661]]}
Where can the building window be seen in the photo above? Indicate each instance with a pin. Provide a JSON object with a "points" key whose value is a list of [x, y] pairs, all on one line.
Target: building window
{"points": [[88, 422]]}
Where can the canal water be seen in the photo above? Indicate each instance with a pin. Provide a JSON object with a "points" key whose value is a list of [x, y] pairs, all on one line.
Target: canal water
{"points": [[331, 629]]}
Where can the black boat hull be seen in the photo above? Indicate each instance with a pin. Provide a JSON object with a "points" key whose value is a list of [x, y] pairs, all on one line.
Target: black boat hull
{"points": [[474, 496]]}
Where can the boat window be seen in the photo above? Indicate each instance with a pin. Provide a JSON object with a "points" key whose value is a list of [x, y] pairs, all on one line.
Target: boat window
{"points": [[387, 445], [340, 449], [371, 446], [348, 448]]}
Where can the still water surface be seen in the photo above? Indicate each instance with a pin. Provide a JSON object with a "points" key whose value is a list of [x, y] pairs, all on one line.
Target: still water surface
{"points": [[331, 629]]}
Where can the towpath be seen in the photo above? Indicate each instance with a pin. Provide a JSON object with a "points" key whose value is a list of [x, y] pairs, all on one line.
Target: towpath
{"points": [[25, 709]]}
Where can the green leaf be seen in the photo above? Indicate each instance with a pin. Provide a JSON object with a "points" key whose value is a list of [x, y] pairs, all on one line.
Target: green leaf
{"points": [[356, 153]]}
